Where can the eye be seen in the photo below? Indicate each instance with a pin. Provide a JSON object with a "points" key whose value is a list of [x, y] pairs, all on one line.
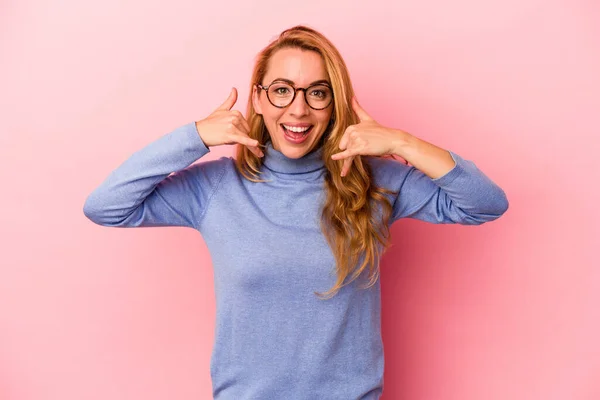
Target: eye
{"points": [[281, 90], [318, 93]]}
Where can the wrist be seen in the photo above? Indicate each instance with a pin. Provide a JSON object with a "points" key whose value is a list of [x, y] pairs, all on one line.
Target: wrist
{"points": [[198, 128], [401, 142]]}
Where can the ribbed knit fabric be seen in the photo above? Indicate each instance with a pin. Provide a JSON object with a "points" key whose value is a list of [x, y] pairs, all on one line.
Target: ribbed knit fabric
{"points": [[274, 338]]}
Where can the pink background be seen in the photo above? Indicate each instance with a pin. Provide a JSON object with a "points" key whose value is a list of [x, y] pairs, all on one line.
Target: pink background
{"points": [[507, 310]]}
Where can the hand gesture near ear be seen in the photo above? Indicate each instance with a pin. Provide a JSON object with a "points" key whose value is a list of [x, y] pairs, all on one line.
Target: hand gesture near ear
{"points": [[227, 126], [365, 138]]}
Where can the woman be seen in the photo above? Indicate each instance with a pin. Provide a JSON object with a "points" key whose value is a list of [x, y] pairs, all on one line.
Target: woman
{"points": [[306, 205]]}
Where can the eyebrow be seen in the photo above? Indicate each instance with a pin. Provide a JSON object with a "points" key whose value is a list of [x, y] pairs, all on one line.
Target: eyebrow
{"points": [[310, 84]]}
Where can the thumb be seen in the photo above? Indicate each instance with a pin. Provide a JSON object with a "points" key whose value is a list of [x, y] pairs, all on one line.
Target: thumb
{"points": [[362, 114], [230, 101]]}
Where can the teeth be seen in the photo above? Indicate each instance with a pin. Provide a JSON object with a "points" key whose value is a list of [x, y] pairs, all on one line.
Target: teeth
{"points": [[296, 129]]}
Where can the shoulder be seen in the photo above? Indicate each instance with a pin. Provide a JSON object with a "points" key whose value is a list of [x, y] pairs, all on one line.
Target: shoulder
{"points": [[210, 172]]}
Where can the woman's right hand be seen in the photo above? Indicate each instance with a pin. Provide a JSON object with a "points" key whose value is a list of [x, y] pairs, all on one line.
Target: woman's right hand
{"points": [[226, 126]]}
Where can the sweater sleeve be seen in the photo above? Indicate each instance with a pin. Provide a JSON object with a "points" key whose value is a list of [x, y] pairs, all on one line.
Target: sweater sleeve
{"points": [[464, 195], [156, 186]]}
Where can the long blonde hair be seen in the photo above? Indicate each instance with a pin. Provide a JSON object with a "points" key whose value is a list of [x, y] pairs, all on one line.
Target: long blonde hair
{"points": [[349, 217]]}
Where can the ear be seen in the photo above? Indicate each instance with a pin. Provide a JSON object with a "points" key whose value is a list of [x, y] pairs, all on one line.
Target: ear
{"points": [[256, 100]]}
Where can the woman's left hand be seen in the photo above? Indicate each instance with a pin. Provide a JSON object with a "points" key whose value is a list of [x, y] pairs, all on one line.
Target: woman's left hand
{"points": [[367, 138]]}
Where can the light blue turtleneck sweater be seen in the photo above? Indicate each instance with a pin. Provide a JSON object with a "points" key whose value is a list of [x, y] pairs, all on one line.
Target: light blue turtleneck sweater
{"points": [[274, 338]]}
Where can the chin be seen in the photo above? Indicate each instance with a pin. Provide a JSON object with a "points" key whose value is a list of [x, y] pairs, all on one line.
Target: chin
{"points": [[292, 150], [296, 150]]}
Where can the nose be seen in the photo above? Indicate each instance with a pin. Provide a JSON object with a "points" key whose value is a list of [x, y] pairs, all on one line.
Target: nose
{"points": [[299, 106]]}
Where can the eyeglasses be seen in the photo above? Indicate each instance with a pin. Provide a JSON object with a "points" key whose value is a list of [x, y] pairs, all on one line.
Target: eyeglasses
{"points": [[281, 94]]}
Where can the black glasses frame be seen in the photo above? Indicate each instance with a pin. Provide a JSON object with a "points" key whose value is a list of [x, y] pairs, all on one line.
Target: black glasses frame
{"points": [[266, 89]]}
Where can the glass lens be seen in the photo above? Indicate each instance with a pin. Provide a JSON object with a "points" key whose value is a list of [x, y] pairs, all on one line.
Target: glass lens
{"points": [[318, 96], [280, 94]]}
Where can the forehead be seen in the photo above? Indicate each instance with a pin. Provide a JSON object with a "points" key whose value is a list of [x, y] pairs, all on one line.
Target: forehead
{"points": [[300, 66]]}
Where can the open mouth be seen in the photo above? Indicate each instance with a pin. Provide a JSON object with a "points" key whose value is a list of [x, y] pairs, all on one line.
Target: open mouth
{"points": [[297, 135], [297, 131]]}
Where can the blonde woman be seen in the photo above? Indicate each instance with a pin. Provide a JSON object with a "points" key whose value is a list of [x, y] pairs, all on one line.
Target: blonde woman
{"points": [[305, 206]]}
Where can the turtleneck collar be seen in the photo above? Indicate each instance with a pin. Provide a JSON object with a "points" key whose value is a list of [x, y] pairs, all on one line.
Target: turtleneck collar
{"points": [[278, 162]]}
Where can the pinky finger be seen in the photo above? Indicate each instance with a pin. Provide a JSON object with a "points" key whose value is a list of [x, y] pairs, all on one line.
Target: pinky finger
{"points": [[346, 166], [251, 144], [245, 140]]}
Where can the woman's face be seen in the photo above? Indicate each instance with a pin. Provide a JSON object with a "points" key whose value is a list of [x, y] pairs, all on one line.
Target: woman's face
{"points": [[303, 68]]}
